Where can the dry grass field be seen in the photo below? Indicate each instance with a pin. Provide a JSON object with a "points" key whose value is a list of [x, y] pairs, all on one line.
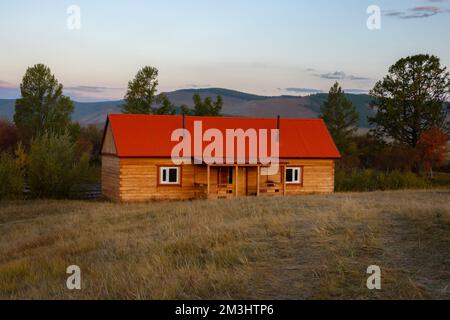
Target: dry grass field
{"points": [[313, 247]]}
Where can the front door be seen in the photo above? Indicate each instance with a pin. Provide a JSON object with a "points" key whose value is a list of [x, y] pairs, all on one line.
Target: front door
{"points": [[242, 183], [227, 180], [225, 176]]}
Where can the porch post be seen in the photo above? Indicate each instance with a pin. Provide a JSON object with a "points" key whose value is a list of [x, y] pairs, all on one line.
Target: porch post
{"points": [[258, 174], [236, 181], [208, 175]]}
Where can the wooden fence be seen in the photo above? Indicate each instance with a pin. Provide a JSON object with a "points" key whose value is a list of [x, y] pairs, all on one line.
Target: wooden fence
{"points": [[86, 191]]}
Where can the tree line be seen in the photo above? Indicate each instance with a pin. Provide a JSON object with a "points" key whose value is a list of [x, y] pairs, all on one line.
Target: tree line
{"points": [[142, 98], [43, 108], [410, 127], [45, 150]]}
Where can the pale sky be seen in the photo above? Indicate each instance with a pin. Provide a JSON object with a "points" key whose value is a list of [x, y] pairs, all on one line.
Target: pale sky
{"points": [[264, 47]]}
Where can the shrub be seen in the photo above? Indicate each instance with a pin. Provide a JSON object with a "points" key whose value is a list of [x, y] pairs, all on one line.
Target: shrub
{"points": [[52, 167], [8, 136], [395, 158], [371, 180], [432, 149], [90, 140], [397, 180], [11, 179], [21, 158]]}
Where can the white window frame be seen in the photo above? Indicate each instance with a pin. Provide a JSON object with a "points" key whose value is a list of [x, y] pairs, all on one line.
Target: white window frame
{"points": [[299, 175], [167, 169]]}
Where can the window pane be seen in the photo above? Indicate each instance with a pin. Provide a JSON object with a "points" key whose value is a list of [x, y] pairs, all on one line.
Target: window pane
{"points": [[296, 175], [289, 175], [173, 175], [164, 175]]}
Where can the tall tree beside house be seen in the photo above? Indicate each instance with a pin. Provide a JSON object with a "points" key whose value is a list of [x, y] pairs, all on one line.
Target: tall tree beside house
{"points": [[340, 116], [142, 97], [141, 94], [203, 108], [411, 99], [42, 107]]}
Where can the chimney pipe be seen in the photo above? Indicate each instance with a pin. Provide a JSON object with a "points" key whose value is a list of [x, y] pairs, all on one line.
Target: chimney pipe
{"points": [[278, 127], [184, 123]]}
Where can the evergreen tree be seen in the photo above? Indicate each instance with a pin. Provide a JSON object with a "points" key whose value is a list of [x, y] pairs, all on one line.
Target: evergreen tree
{"points": [[166, 107], [411, 99], [203, 108], [340, 116], [141, 94]]}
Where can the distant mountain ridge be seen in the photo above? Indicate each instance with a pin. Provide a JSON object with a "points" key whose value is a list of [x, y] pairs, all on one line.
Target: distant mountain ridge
{"points": [[236, 103]]}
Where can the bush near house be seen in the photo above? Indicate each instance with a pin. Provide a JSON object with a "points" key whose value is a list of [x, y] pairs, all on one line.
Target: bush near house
{"points": [[8, 136], [11, 179], [52, 167], [371, 180]]}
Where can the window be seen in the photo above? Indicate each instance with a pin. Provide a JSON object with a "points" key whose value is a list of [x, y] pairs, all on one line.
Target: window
{"points": [[294, 175], [169, 175]]}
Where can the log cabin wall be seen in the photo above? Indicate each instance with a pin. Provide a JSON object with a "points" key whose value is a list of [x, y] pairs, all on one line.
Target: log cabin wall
{"points": [[111, 177], [139, 180], [318, 177], [136, 179]]}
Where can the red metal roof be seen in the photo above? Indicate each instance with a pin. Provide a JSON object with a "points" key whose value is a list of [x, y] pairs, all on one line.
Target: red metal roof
{"points": [[150, 135]]}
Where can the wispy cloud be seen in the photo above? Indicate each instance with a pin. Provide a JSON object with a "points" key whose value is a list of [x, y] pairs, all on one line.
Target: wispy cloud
{"points": [[357, 91], [314, 91], [419, 12], [340, 75], [77, 93], [5, 84], [91, 89], [303, 90], [94, 93], [197, 86]]}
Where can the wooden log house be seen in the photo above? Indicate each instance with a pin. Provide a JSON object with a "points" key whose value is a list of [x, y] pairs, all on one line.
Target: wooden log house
{"points": [[137, 164]]}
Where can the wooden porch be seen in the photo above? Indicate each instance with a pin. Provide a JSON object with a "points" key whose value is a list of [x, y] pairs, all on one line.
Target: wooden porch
{"points": [[231, 181]]}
